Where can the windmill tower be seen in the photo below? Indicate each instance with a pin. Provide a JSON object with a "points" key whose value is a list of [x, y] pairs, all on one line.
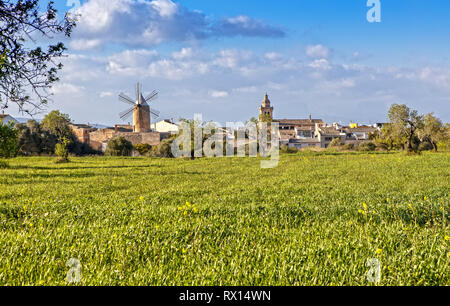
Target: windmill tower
{"points": [[141, 110]]}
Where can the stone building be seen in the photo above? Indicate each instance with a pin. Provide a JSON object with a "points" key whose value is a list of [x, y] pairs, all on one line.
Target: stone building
{"points": [[265, 109]]}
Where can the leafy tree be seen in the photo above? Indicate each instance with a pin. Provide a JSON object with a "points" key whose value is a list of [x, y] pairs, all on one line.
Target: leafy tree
{"points": [[405, 122], [8, 140], [265, 118], [119, 146], [432, 131], [143, 148], [26, 69], [337, 142], [58, 124], [367, 146], [164, 150], [62, 150]]}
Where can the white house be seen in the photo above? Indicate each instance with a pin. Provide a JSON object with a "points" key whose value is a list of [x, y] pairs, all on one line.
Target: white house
{"points": [[6, 119], [165, 126]]}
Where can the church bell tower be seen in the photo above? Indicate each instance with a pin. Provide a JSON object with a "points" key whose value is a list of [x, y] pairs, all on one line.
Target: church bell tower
{"points": [[265, 109]]}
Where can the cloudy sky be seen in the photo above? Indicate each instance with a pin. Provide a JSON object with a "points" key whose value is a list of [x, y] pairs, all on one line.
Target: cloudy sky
{"points": [[219, 57]]}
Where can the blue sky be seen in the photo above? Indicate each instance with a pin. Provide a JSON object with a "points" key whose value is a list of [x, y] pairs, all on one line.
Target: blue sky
{"points": [[219, 57]]}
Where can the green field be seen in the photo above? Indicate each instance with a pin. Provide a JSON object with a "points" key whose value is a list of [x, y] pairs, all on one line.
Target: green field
{"points": [[316, 219]]}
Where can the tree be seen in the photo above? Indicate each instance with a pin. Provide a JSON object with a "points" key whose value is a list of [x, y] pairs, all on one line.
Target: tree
{"points": [[119, 146], [62, 150], [58, 124], [405, 122], [337, 142], [25, 71], [8, 140], [432, 131], [143, 148]]}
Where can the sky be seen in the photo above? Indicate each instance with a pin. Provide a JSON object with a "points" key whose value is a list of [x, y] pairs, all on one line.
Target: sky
{"points": [[219, 57]]}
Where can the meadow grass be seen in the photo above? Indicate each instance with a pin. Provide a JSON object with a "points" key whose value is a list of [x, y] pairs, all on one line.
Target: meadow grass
{"points": [[316, 219]]}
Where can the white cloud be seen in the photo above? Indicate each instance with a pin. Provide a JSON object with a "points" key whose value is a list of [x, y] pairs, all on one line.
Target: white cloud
{"points": [[218, 94], [147, 23], [106, 94], [320, 64], [273, 56], [189, 79], [317, 51], [85, 44], [183, 54], [67, 88]]}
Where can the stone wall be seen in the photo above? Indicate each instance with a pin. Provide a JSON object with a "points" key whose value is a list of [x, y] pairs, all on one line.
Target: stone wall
{"points": [[99, 137]]}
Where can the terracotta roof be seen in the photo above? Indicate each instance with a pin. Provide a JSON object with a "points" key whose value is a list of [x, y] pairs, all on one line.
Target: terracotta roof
{"points": [[299, 121], [329, 131], [361, 129]]}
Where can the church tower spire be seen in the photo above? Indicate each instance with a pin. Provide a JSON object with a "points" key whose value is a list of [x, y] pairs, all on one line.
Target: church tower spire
{"points": [[266, 109]]}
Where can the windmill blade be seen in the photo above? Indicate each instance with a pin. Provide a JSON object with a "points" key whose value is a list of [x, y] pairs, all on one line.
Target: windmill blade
{"points": [[152, 96], [125, 114], [138, 91], [155, 112], [124, 98]]}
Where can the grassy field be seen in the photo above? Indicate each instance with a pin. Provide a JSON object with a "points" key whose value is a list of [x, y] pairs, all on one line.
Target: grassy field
{"points": [[316, 219]]}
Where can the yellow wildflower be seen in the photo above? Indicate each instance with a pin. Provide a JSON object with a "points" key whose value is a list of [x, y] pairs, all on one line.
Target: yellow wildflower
{"points": [[188, 204], [379, 251], [185, 212], [447, 238], [141, 198], [157, 227]]}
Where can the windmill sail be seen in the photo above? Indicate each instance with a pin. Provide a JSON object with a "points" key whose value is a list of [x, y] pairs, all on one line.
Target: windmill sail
{"points": [[141, 111]]}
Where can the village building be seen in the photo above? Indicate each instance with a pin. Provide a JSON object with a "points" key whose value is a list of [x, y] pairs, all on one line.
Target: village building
{"points": [[165, 126], [315, 133], [7, 119]]}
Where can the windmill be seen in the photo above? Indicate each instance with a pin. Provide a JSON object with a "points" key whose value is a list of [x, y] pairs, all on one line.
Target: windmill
{"points": [[141, 110]]}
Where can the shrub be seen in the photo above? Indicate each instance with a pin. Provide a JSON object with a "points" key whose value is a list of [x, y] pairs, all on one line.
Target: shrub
{"points": [[119, 146], [62, 151], [337, 142], [143, 148], [426, 146], [367, 146], [348, 147], [288, 150], [164, 149], [8, 140]]}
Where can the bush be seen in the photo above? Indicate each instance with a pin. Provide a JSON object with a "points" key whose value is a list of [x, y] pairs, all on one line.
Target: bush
{"points": [[119, 146], [337, 142], [164, 150], [8, 140], [426, 146], [348, 147], [288, 150], [62, 151], [143, 148], [367, 147]]}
